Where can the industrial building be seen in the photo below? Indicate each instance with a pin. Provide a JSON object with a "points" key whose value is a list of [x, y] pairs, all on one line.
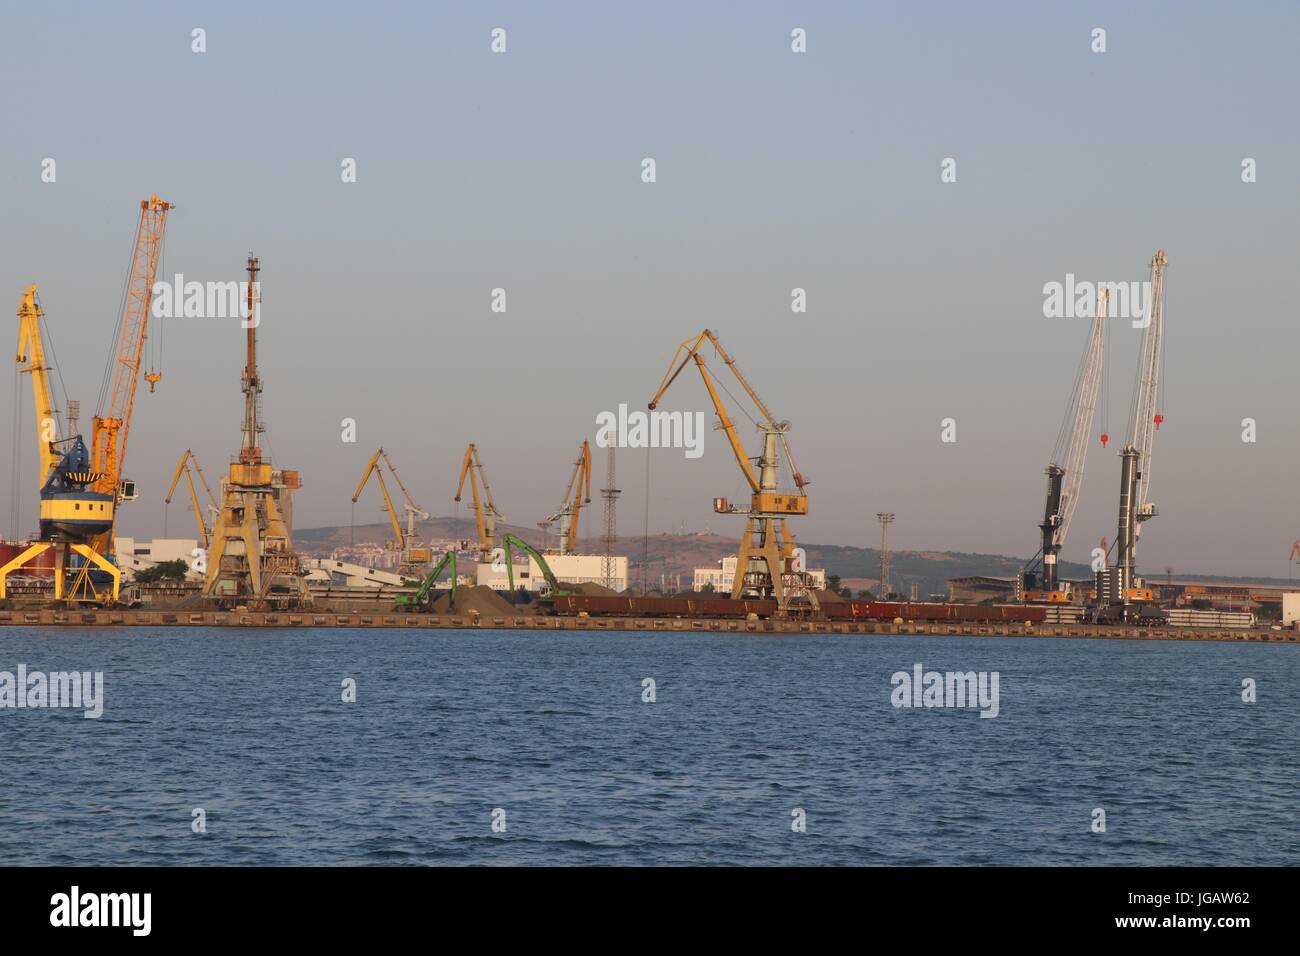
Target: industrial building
{"points": [[346, 574], [1227, 596], [567, 568], [133, 555]]}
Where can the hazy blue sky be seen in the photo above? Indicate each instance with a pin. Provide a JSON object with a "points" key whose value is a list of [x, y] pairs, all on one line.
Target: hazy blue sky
{"points": [[775, 170]]}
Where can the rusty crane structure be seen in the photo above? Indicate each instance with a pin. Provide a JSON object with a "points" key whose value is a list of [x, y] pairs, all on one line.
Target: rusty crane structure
{"points": [[251, 561]]}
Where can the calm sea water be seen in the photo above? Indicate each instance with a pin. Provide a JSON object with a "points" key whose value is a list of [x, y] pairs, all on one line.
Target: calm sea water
{"points": [[551, 728]]}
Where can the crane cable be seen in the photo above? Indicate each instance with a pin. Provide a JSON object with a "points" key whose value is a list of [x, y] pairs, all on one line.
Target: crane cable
{"points": [[16, 456], [155, 353], [645, 534], [1064, 435], [1164, 382], [106, 382], [47, 338], [1105, 395]]}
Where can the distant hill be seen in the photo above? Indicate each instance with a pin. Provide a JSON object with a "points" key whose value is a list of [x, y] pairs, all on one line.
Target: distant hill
{"points": [[672, 555], [668, 556]]}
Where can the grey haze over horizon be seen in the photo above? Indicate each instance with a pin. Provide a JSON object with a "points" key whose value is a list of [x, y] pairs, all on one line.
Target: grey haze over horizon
{"points": [[775, 170]]}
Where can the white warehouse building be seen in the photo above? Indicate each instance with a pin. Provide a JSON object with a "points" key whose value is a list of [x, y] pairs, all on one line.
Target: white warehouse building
{"points": [[567, 568], [133, 555]]}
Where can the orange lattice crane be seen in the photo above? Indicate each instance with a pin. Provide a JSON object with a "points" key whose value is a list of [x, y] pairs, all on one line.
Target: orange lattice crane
{"points": [[112, 423]]}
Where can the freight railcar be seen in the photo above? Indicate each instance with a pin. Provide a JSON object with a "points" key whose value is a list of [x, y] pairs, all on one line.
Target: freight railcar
{"points": [[716, 607]]}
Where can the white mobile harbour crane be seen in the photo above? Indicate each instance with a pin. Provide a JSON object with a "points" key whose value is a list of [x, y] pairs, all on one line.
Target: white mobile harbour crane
{"points": [[1039, 582], [1122, 596]]}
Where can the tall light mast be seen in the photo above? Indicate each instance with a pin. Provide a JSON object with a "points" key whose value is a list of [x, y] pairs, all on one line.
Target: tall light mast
{"points": [[610, 494]]}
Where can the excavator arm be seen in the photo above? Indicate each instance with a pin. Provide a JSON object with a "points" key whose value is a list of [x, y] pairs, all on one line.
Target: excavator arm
{"points": [[421, 597], [509, 543]]}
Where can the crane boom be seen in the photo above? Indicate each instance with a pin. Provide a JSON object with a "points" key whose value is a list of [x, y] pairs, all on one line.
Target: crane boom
{"points": [[408, 503], [1146, 414], [485, 511], [31, 350], [372, 468], [571, 511], [182, 466], [112, 428], [799, 480], [582, 495], [1084, 403], [690, 350], [1065, 471], [1121, 594], [413, 555]]}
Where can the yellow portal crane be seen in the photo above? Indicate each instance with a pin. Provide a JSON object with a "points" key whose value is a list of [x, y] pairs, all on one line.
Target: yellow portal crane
{"points": [[413, 555], [72, 513], [485, 511], [767, 562], [570, 511], [183, 466], [81, 487]]}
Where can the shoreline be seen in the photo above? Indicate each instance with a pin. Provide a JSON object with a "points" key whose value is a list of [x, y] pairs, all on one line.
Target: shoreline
{"points": [[308, 619]]}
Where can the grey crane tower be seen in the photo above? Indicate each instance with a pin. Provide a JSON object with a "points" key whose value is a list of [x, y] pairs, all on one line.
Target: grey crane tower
{"points": [[1122, 595]]}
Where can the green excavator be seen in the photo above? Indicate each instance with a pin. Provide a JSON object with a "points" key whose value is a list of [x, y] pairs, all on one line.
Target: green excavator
{"points": [[422, 599], [509, 543]]}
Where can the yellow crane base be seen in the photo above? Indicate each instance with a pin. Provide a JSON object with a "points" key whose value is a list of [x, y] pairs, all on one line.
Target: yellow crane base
{"points": [[82, 588]]}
